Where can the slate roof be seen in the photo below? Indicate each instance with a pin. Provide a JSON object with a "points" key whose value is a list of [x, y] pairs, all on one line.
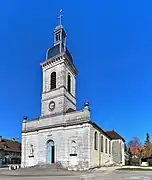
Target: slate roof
{"points": [[70, 110], [10, 145], [114, 135], [55, 50]]}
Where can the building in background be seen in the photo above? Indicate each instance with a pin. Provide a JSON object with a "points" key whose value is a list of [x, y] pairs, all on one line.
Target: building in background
{"points": [[10, 152]]}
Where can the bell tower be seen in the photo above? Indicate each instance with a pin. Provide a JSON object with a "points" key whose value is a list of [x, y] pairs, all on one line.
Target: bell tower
{"points": [[59, 73]]}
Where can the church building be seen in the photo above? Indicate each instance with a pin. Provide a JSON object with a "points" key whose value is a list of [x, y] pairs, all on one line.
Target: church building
{"points": [[62, 134]]}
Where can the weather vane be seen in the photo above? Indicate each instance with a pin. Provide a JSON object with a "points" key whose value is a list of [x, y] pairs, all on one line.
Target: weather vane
{"points": [[60, 17]]}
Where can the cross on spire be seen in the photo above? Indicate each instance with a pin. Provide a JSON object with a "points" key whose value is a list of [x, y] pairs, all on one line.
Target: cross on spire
{"points": [[60, 17]]}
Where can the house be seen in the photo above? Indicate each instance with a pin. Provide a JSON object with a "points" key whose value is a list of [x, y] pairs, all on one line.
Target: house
{"points": [[10, 152]]}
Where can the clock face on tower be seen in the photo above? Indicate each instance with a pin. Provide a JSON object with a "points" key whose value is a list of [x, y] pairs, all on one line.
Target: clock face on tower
{"points": [[51, 105]]}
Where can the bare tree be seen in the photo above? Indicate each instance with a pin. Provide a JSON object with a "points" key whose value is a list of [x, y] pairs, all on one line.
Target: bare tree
{"points": [[135, 142]]}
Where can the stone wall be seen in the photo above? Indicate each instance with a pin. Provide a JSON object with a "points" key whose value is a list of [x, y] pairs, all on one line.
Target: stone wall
{"points": [[106, 158], [98, 158], [118, 151], [42, 122], [29, 139], [62, 138]]}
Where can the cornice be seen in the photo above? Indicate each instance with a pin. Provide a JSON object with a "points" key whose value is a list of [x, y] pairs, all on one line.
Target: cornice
{"points": [[61, 58], [58, 89]]}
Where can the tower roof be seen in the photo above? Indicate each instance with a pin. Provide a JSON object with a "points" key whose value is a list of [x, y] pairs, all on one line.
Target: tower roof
{"points": [[59, 42], [55, 50]]}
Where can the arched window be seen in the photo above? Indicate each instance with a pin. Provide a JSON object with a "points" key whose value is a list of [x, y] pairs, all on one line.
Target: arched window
{"points": [[109, 147], [53, 80], [69, 83], [101, 143], [95, 141], [106, 146]]}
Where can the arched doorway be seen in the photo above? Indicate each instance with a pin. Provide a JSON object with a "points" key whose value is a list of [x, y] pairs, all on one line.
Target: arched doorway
{"points": [[50, 152]]}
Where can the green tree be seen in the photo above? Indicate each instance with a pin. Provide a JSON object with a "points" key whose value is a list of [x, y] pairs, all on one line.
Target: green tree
{"points": [[148, 150], [148, 147], [147, 141]]}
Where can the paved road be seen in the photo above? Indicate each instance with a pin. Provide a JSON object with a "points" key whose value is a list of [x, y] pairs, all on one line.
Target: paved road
{"points": [[98, 175]]}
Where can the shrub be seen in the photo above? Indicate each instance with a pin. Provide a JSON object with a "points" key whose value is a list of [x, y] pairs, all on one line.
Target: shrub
{"points": [[134, 162], [150, 162]]}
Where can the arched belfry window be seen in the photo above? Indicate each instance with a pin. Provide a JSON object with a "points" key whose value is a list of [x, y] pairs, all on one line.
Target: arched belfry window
{"points": [[95, 141], [53, 80], [69, 83]]}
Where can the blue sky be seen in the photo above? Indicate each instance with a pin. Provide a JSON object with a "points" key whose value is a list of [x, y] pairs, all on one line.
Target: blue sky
{"points": [[111, 43]]}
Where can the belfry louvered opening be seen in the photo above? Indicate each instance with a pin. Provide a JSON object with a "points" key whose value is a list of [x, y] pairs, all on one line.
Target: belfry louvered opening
{"points": [[53, 80], [69, 83]]}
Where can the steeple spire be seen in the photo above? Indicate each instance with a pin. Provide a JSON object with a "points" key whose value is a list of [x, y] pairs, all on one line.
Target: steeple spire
{"points": [[60, 35], [59, 40], [60, 17]]}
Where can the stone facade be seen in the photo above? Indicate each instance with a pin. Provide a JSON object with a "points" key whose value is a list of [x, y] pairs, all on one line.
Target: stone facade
{"points": [[62, 134], [118, 151]]}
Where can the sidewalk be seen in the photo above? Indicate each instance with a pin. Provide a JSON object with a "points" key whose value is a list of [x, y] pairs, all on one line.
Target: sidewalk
{"points": [[38, 172]]}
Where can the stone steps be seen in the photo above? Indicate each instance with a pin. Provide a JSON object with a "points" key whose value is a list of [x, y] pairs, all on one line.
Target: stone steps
{"points": [[47, 167]]}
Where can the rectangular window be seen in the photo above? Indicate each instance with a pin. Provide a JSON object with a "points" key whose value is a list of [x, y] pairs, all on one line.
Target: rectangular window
{"points": [[109, 147], [101, 143], [106, 146], [95, 141]]}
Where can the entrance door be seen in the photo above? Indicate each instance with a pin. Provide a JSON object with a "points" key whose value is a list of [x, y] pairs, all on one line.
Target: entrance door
{"points": [[50, 152]]}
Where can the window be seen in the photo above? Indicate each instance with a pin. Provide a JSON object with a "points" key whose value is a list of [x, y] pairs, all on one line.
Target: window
{"points": [[95, 141], [57, 37], [106, 146], [69, 83], [53, 80], [109, 147], [101, 143]]}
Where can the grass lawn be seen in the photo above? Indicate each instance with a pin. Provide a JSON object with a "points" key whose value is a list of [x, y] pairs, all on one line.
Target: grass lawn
{"points": [[134, 169]]}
